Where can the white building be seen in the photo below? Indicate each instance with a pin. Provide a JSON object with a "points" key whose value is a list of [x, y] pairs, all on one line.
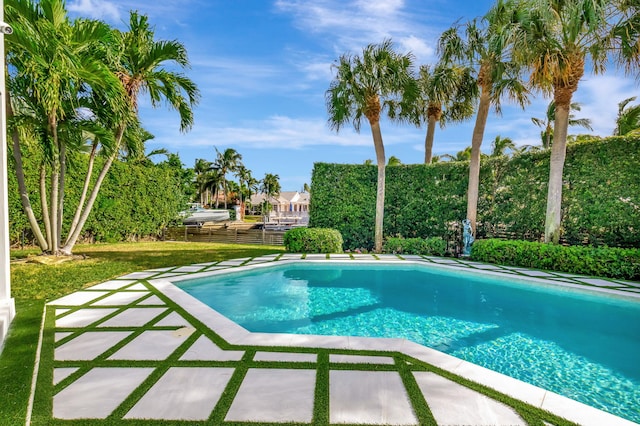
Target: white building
{"points": [[287, 207]]}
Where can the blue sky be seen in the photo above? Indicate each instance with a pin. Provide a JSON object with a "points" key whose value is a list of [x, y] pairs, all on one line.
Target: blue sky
{"points": [[263, 67]]}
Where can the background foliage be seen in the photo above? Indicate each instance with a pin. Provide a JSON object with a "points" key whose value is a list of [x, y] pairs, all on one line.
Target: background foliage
{"points": [[601, 197]]}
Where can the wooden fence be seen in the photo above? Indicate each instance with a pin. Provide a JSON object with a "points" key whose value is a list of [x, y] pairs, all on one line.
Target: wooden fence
{"points": [[217, 234]]}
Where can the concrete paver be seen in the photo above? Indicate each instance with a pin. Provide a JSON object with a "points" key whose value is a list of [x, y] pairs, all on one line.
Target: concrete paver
{"points": [[154, 345], [96, 394], [371, 397], [78, 298], [284, 357], [121, 298], [89, 345], [59, 374], [204, 349], [83, 317], [183, 393], [360, 359], [173, 320], [134, 317]]}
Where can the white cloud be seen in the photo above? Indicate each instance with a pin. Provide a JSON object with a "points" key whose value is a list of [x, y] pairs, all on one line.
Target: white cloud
{"points": [[97, 9]]}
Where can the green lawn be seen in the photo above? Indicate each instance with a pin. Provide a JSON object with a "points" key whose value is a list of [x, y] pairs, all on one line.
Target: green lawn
{"points": [[34, 283]]}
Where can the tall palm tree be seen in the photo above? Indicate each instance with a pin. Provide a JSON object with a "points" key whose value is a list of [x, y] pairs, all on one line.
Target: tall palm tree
{"points": [[628, 120], [141, 64], [53, 65], [201, 168], [624, 35], [557, 39], [448, 93], [364, 87], [497, 75], [227, 162], [547, 123]]}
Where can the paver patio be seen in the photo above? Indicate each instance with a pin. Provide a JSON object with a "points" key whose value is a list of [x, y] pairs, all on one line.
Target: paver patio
{"points": [[131, 349]]}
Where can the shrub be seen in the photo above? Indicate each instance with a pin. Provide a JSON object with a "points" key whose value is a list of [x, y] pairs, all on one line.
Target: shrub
{"points": [[434, 246], [599, 261], [313, 240]]}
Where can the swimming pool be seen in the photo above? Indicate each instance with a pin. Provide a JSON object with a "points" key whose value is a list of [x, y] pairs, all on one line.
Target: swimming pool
{"points": [[577, 344]]}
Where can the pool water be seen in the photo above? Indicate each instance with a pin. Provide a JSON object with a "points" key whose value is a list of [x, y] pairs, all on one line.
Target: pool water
{"points": [[578, 344]]}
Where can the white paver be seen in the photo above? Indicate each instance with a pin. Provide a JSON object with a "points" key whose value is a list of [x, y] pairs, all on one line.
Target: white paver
{"points": [[83, 317], [284, 357], [138, 287], [61, 311], [205, 350], [190, 268], [121, 298], [597, 282], [169, 274], [154, 345], [139, 275], [388, 257], [112, 285], [183, 393], [360, 359], [235, 262], [89, 345], [61, 335], [340, 256], [371, 397], [59, 374], [78, 298], [133, 317], [96, 394], [274, 395], [316, 257], [153, 300], [451, 403], [174, 319], [534, 273]]}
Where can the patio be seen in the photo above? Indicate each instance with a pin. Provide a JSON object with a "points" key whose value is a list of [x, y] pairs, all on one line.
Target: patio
{"points": [[139, 348]]}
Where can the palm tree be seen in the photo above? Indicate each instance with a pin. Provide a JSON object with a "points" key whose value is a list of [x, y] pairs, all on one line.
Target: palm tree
{"points": [[394, 161], [624, 35], [244, 175], [201, 168], [448, 93], [500, 145], [628, 121], [557, 38], [366, 86], [547, 123], [227, 161], [483, 49], [140, 63], [53, 65]]}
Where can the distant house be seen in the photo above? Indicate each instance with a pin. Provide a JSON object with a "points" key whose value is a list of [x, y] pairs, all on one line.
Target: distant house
{"points": [[288, 206]]}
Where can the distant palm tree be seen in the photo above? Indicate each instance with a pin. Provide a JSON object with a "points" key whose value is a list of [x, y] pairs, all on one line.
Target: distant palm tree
{"points": [[305, 188], [227, 161], [628, 121], [448, 93], [394, 161], [497, 75], [364, 87], [500, 145], [547, 123]]}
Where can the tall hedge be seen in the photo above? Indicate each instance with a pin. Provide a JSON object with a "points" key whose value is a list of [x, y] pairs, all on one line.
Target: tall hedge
{"points": [[601, 197]]}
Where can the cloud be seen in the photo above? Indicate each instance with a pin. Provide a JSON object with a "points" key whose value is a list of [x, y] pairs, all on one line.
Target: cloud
{"points": [[97, 9]]}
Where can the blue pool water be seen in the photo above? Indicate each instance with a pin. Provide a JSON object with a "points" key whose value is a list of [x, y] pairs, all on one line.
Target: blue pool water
{"points": [[577, 344]]}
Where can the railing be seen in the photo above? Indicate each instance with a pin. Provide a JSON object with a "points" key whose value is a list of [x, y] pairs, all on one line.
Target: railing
{"points": [[213, 234]]}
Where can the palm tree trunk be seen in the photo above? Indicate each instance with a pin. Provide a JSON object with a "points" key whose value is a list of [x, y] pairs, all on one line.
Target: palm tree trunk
{"points": [[63, 173], [556, 167], [22, 187], [224, 187], [380, 158], [55, 187], [83, 195], [68, 247], [43, 203], [474, 165], [428, 142]]}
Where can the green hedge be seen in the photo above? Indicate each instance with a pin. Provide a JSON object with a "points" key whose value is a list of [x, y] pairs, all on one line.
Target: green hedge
{"points": [[313, 240], [598, 261], [601, 197], [434, 246]]}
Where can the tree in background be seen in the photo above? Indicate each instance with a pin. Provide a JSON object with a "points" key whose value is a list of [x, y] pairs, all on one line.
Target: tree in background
{"points": [[227, 161], [500, 145], [482, 48], [364, 87], [628, 120], [547, 123]]}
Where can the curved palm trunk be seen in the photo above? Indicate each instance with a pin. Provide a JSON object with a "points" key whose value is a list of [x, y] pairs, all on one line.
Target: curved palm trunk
{"points": [[63, 173], [380, 158], [44, 205], [83, 195], [428, 142], [73, 237], [556, 168], [474, 165]]}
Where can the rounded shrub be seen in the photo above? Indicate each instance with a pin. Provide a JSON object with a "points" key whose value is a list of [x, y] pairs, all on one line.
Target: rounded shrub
{"points": [[313, 240]]}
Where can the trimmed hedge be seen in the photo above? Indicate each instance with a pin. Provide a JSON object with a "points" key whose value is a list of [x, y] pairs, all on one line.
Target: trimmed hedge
{"points": [[597, 261], [434, 246], [600, 207], [313, 240]]}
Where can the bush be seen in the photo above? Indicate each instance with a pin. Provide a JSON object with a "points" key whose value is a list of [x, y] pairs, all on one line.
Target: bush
{"points": [[313, 240], [598, 261], [434, 246]]}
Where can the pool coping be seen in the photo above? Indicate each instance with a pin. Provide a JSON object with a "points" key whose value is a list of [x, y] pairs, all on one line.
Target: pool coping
{"points": [[235, 334]]}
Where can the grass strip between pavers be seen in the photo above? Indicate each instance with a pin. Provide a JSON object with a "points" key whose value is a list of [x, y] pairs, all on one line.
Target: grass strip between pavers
{"points": [[404, 365]]}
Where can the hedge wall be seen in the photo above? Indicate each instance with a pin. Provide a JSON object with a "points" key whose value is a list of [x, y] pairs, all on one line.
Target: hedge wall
{"points": [[601, 197]]}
